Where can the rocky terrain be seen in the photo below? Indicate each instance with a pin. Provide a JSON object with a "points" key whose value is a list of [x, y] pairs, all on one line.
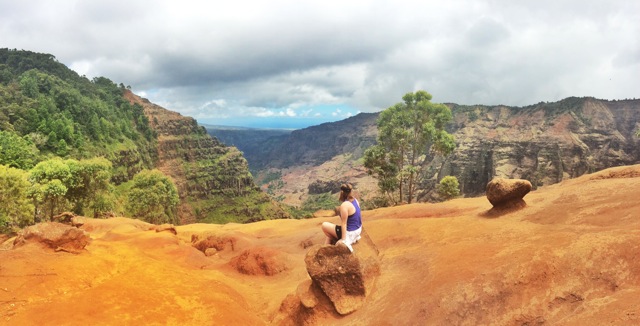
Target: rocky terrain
{"points": [[544, 143], [568, 257]]}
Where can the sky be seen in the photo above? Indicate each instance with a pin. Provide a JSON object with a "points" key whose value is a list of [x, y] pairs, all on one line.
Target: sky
{"points": [[293, 64]]}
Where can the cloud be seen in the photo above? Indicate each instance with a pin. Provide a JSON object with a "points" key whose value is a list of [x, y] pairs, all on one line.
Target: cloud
{"points": [[283, 58]]}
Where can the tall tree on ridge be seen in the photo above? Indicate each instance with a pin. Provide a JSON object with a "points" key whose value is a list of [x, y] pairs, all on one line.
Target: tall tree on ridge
{"points": [[408, 132]]}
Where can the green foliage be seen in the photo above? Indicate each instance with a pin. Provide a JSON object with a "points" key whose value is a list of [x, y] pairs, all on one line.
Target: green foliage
{"points": [[408, 133], [80, 186], [89, 190], [274, 186], [48, 179], [153, 198], [16, 211], [271, 176], [472, 115], [321, 201], [449, 187], [67, 115], [16, 151], [313, 203]]}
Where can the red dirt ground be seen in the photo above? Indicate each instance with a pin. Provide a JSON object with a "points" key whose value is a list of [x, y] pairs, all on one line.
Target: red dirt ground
{"points": [[571, 257]]}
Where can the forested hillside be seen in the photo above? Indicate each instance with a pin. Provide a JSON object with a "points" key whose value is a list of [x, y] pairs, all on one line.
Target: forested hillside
{"points": [[68, 143], [56, 112]]}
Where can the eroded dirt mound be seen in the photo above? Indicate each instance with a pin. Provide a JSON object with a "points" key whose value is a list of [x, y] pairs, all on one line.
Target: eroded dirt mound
{"points": [[54, 235], [260, 261], [213, 241], [618, 172]]}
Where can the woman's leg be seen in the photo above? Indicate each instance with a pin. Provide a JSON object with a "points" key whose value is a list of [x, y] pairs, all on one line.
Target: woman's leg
{"points": [[329, 230]]}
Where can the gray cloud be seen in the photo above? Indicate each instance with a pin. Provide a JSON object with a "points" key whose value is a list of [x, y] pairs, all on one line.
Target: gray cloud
{"points": [[253, 58]]}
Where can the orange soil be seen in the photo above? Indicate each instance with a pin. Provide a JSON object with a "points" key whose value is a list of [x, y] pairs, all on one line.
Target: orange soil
{"points": [[571, 257]]}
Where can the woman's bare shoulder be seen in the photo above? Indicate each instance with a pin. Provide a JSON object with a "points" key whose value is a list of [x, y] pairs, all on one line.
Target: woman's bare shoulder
{"points": [[348, 206], [346, 203]]}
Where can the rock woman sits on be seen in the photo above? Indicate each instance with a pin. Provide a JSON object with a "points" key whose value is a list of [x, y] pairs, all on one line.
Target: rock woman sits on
{"points": [[348, 232]]}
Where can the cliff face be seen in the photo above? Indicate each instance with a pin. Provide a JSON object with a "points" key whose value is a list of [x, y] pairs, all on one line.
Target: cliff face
{"points": [[213, 180], [544, 143]]}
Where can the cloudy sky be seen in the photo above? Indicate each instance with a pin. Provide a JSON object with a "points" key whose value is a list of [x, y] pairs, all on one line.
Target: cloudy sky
{"points": [[296, 63]]}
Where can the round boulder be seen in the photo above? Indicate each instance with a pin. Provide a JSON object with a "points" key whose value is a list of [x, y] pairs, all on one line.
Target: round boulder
{"points": [[503, 191]]}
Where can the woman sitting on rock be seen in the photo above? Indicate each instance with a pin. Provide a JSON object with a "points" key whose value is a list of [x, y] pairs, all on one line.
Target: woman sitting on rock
{"points": [[348, 232]]}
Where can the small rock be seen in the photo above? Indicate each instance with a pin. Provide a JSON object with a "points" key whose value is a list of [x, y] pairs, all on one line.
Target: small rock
{"points": [[65, 218], [166, 227], [305, 292]]}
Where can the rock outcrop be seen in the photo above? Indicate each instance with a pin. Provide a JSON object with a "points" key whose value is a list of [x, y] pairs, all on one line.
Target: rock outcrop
{"points": [[57, 236], [339, 285], [165, 228]]}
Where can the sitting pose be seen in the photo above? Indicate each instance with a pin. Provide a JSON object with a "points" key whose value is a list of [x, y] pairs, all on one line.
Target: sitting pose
{"points": [[348, 232]]}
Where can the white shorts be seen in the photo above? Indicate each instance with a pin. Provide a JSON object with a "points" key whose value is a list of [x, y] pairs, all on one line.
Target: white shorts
{"points": [[353, 236]]}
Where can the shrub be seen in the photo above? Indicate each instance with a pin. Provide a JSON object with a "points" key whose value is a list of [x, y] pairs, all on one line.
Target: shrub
{"points": [[153, 198], [449, 187]]}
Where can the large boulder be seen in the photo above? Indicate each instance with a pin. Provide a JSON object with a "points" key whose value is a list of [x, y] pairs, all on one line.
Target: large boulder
{"points": [[58, 236], [505, 191], [346, 278]]}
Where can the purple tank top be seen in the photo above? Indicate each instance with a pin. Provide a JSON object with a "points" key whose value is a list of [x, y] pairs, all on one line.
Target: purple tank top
{"points": [[354, 221]]}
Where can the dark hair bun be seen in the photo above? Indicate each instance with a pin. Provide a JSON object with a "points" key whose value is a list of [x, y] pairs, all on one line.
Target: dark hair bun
{"points": [[346, 188]]}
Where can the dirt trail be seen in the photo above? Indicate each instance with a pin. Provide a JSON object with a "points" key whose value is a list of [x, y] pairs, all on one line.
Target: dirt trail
{"points": [[571, 257]]}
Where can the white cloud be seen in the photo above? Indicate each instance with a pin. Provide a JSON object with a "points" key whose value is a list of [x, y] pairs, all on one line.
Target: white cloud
{"points": [[280, 58]]}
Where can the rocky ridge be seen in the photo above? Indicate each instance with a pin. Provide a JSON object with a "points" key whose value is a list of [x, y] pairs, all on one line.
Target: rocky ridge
{"points": [[213, 180], [544, 143]]}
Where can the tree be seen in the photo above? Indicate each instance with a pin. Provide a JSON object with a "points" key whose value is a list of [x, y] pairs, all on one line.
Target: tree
{"points": [[449, 187], [153, 198], [89, 187], [81, 186], [408, 133], [15, 208], [49, 180]]}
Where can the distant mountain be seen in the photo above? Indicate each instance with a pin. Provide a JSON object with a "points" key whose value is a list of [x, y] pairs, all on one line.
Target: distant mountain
{"points": [[315, 157], [273, 148], [544, 143]]}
